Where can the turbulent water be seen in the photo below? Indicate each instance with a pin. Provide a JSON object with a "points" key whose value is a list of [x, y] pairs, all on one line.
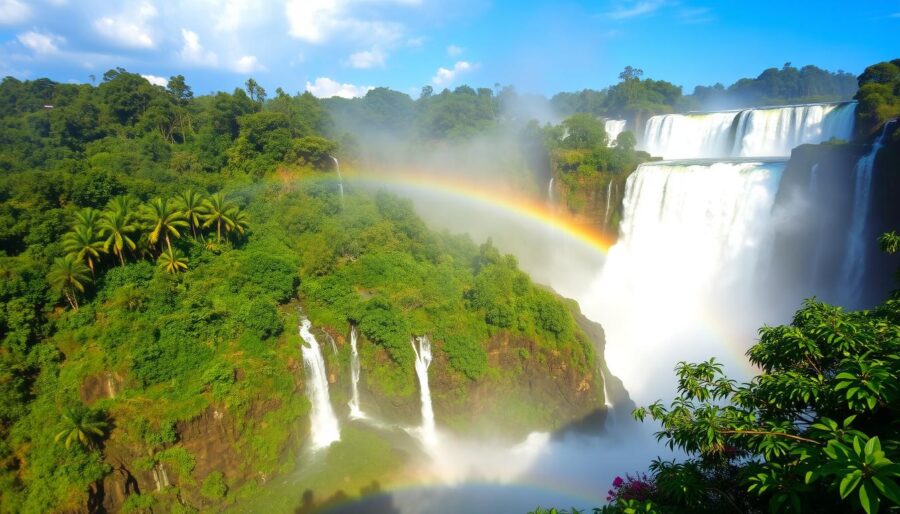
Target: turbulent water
{"points": [[762, 132], [423, 361], [853, 269], [323, 423], [613, 129], [355, 410], [691, 231]]}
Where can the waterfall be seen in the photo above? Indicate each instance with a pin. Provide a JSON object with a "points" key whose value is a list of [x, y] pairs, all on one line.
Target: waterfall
{"points": [[355, 411], [323, 423], [423, 361], [608, 196], [610, 412], [550, 191], [613, 129], [761, 132], [691, 240], [337, 168], [814, 194], [853, 269]]}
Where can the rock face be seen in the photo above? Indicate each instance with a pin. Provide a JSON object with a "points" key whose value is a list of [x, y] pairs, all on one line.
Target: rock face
{"points": [[209, 438], [815, 204]]}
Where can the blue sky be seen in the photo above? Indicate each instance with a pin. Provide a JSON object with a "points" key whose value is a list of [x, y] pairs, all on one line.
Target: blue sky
{"points": [[346, 46]]}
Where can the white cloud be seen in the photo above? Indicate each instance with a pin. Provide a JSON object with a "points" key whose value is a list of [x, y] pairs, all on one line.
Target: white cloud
{"points": [[233, 14], [156, 80], [13, 12], [444, 76], [41, 44], [454, 50], [324, 87], [192, 51], [315, 21], [247, 64], [635, 9], [367, 59], [130, 28]]}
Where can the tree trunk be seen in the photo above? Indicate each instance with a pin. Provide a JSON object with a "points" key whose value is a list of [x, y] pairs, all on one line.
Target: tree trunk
{"points": [[219, 230], [70, 296], [169, 244], [121, 258]]}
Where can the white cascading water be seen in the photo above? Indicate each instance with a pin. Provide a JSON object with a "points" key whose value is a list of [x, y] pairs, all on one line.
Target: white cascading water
{"points": [[853, 268], [323, 423], [550, 191], [613, 129], [337, 168], [608, 203], [355, 411], [762, 132], [692, 233], [423, 361]]}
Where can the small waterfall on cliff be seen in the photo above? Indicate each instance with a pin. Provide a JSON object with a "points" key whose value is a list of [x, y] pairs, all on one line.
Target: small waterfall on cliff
{"points": [[859, 241], [355, 411], [608, 203], [691, 241], [761, 132], [423, 361], [323, 423], [337, 168], [550, 191], [613, 129]]}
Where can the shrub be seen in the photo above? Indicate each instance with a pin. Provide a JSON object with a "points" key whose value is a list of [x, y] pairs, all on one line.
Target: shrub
{"points": [[214, 486]]}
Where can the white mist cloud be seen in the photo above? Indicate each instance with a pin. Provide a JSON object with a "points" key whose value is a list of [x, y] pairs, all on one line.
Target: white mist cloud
{"points": [[247, 64], [446, 76], [13, 12], [156, 80], [373, 58], [454, 50], [41, 44], [316, 21], [324, 87], [192, 51], [131, 28], [634, 9]]}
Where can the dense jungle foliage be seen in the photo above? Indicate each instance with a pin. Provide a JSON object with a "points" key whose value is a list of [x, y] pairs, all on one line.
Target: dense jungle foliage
{"points": [[156, 251]]}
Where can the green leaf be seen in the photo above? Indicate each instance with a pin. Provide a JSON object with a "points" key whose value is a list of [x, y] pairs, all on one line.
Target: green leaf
{"points": [[887, 487], [849, 483], [869, 500]]}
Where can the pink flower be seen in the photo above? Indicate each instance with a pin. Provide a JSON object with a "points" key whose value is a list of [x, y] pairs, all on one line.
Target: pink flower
{"points": [[618, 482]]}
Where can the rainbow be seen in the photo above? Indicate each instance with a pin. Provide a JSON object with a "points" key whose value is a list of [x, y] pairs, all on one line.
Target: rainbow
{"points": [[528, 209]]}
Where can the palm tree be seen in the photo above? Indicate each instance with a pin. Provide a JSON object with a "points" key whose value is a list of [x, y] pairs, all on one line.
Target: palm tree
{"points": [[86, 217], [240, 224], [82, 426], [117, 225], [172, 261], [164, 220], [191, 205], [218, 211], [85, 244], [68, 275]]}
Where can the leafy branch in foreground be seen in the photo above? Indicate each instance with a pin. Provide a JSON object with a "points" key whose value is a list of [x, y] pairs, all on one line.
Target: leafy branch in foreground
{"points": [[815, 431]]}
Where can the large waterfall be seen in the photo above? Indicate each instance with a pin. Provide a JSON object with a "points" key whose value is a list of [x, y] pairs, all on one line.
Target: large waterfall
{"points": [[323, 423], [692, 234], [853, 269], [423, 361], [613, 129], [355, 411], [762, 132]]}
